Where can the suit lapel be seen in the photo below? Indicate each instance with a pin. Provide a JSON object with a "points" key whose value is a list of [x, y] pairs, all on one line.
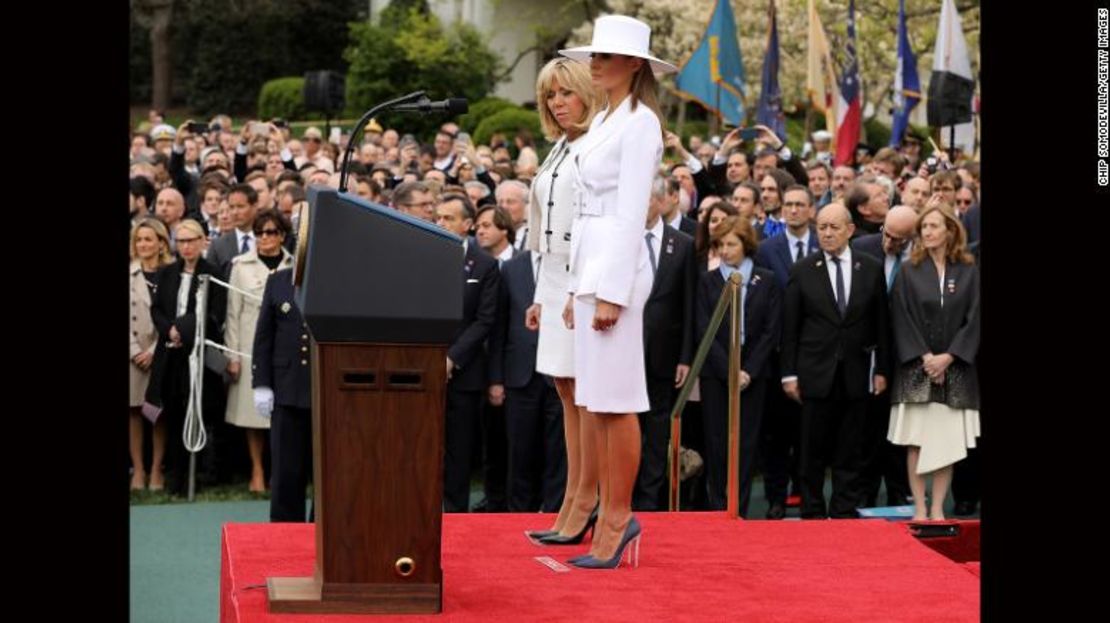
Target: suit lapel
{"points": [[755, 290], [826, 284], [858, 275], [664, 260], [598, 135], [784, 253]]}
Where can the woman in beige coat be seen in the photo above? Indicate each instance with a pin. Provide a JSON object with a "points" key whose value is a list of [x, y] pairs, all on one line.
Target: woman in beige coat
{"points": [[249, 273], [150, 251]]}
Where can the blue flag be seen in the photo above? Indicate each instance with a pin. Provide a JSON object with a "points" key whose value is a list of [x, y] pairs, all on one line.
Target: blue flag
{"points": [[770, 96], [715, 72], [907, 88]]}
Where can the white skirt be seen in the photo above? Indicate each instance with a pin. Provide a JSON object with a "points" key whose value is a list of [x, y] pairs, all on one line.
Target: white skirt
{"points": [[609, 365], [944, 434], [555, 350]]}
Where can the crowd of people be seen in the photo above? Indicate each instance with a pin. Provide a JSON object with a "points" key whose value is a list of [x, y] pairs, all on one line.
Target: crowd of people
{"points": [[860, 310]]}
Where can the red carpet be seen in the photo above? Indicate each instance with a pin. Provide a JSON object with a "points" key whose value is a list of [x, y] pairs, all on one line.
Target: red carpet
{"points": [[693, 567]]}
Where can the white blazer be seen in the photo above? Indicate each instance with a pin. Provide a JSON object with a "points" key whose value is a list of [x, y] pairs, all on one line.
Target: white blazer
{"points": [[551, 201], [615, 167]]}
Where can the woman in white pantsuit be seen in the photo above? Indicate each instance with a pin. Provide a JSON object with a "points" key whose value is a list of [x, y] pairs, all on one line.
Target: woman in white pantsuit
{"points": [[610, 274], [569, 102]]}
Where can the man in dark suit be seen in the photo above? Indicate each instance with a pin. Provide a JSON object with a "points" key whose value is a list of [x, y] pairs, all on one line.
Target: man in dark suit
{"points": [[533, 411], [671, 215], [466, 356], [668, 342], [281, 375], [243, 201], [493, 227], [780, 443], [882, 459], [836, 316]]}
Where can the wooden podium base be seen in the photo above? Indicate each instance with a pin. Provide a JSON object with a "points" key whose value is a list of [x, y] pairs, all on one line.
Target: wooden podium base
{"points": [[304, 596]]}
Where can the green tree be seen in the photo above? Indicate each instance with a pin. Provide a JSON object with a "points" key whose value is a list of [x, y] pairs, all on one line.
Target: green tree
{"points": [[222, 52], [413, 51]]}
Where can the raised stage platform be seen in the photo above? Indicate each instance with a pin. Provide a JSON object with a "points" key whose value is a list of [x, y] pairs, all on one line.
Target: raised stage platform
{"points": [[693, 567]]}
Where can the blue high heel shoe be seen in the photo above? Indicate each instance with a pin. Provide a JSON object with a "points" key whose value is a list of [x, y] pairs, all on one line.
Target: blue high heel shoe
{"points": [[558, 539], [539, 534], [631, 537]]}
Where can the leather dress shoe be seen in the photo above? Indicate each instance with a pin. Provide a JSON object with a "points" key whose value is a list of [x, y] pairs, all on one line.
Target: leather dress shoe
{"points": [[964, 508], [776, 511]]}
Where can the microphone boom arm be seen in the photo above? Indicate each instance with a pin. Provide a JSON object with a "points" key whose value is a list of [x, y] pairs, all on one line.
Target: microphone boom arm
{"points": [[349, 152]]}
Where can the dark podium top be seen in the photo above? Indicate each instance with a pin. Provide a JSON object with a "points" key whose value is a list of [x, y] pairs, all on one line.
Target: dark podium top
{"points": [[372, 274]]}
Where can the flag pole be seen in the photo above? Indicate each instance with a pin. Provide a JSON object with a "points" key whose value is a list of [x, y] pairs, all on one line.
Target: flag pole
{"points": [[720, 119], [809, 122]]}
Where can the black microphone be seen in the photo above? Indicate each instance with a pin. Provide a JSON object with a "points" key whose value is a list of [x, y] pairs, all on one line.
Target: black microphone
{"points": [[454, 106]]}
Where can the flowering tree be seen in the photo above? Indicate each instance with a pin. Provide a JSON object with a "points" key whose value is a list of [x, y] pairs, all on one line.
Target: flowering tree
{"points": [[677, 27]]}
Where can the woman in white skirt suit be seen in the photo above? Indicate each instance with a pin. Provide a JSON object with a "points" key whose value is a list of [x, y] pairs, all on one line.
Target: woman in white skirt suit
{"points": [[610, 274], [569, 102]]}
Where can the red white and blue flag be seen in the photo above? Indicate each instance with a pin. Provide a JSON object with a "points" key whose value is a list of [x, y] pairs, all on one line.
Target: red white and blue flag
{"points": [[849, 113]]}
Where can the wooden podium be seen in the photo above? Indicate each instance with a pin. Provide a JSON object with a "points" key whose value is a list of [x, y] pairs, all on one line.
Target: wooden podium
{"points": [[382, 296]]}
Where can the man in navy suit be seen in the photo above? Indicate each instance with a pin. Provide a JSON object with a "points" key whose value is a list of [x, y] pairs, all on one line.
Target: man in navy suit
{"points": [[466, 356], [836, 317], [533, 411], [668, 341], [882, 459], [282, 380], [780, 443]]}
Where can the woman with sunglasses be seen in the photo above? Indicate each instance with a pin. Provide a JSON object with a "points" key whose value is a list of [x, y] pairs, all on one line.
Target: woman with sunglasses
{"points": [[249, 272]]}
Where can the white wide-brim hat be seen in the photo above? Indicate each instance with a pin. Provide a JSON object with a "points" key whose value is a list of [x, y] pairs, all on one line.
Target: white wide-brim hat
{"points": [[620, 34]]}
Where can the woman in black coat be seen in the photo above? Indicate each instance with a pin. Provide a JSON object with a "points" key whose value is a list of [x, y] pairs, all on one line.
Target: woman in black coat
{"points": [[174, 315], [735, 243], [935, 317]]}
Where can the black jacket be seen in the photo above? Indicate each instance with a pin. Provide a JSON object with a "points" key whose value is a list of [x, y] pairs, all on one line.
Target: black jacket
{"points": [[922, 325], [280, 359], [512, 345], [815, 339], [762, 319], [163, 311], [481, 279], [669, 310]]}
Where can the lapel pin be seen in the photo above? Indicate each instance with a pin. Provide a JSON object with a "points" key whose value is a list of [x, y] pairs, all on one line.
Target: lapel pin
{"points": [[819, 263], [285, 307]]}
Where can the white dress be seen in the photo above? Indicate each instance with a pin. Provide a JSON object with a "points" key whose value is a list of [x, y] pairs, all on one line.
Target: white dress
{"points": [[552, 211], [616, 163]]}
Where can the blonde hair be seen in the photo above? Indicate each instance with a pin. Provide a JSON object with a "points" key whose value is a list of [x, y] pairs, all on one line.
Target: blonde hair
{"points": [[575, 77], [191, 226], [956, 245], [165, 256]]}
